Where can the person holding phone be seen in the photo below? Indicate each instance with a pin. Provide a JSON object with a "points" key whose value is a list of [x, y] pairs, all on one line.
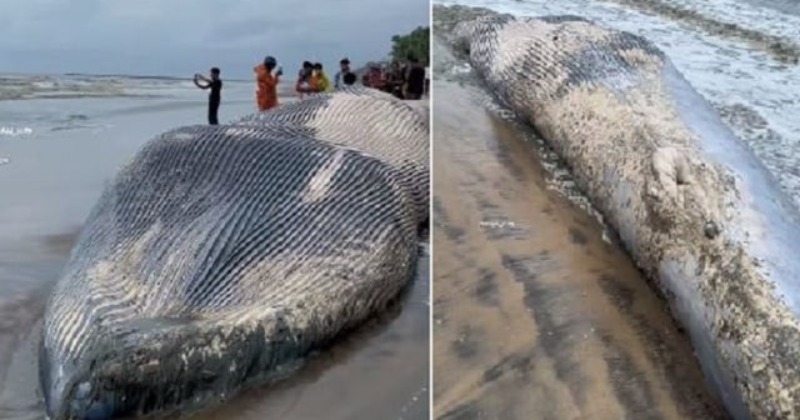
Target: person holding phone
{"points": [[304, 82], [215, 97], [267, 84]]}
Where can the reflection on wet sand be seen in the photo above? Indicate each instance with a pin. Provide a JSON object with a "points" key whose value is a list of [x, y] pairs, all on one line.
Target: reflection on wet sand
{"points": [[535, 315], [27, 269], [380, 370]]}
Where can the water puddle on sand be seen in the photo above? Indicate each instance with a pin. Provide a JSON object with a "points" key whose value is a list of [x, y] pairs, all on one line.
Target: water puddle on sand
{"points": [[535, 315], [379, 371]]}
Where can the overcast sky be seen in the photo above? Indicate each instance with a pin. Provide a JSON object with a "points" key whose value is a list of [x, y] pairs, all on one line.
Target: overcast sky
{"points": [[181, 37]]}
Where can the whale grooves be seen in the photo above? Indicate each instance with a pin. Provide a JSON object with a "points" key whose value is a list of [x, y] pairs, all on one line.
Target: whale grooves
{"points": [[697, 211], [220, 257]]}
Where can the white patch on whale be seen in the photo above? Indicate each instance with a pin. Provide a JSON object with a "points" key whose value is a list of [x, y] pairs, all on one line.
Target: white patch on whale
{"points": [[184, 136], [319, 185], [237, 131]]}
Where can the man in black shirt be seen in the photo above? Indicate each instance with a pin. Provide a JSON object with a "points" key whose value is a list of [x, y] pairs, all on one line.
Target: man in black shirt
{"points": [[215, 97], [349, 79], [344, 70], [415, 80]]}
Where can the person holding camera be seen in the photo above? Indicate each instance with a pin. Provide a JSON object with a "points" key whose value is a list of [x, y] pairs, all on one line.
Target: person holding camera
{"points": [[267, 84], [215, 97]]}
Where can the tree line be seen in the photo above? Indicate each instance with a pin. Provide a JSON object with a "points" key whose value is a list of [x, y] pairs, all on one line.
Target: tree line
{"points": [[416, 43]]}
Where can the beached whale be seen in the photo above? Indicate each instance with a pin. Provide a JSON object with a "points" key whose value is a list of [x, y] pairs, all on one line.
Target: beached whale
{"points": [[698, 212], [219, 258], [368, 120]]}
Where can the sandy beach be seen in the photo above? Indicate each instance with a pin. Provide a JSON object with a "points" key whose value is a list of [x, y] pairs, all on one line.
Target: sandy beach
{"points": [[537, 312], [61, 149]]}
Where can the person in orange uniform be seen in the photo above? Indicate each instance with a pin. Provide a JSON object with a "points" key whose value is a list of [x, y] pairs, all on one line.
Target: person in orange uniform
{"points": [[267, 84]]}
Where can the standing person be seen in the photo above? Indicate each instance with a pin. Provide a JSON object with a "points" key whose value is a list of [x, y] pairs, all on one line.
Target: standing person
{"points": [[415, 79], [396, 80], [215, 97], [365, 77], [385, 79], [349, 79], [376, 80], [304, 82], [344, 69], [427, 80], [323, 83], [267, 84]]}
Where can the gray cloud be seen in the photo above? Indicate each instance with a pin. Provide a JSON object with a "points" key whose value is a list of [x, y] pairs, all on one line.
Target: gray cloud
{"points": [[179, 37]]}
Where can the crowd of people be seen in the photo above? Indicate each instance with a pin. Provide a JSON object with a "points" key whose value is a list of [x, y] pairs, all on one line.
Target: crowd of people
{"points": [[407, 80], [312, 79]]}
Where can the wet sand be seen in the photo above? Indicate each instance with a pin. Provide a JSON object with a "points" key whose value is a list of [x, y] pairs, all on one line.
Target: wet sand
{"points": [[535, 314], [52, 182]]}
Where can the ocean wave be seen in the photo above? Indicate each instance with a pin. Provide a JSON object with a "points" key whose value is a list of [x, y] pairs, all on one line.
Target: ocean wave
{"points": [[728, 21], [778, 153], [77, 127], [76, 122], [30, 87], [15, 131], [726, 71], [791, 7], [79, 86], [77, 117]]}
